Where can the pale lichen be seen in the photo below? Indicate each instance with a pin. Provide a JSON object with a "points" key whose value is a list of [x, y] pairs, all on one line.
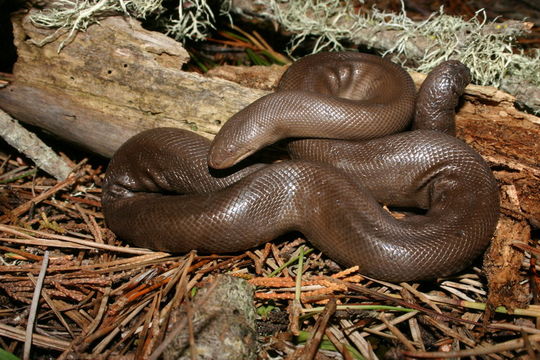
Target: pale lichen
{"points": [[486, 47], [193, 20]]}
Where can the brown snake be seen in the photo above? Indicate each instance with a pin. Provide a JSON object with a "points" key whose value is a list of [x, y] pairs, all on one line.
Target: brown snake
{"points": [[160, 192]]}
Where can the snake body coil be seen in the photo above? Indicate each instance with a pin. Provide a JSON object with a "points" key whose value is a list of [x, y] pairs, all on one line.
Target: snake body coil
{"points": [[160, 193]]}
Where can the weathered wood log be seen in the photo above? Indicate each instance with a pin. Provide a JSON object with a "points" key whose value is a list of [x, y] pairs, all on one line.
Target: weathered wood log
{"points": [[113, 81], [117, 79]]}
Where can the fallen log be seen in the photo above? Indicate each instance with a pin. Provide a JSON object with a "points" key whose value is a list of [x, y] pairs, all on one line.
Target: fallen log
{"points": [[111, 82]]}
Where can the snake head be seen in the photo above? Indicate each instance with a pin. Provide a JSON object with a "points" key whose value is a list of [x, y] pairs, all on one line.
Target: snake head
{"points": [[247, 131], [223, 155]]}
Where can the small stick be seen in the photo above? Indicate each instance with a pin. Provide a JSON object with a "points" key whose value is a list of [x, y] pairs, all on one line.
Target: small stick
{"points": [[34, 306], [480, 350], [92, 244], [361, 344], [101, 311], [342, 348], [179, 327], [421, 296], [90, 328], [394, 321], [452, 333], [143, 336], [278, 262], [114, 330], [29, 144], [291, 260], [296, 306], [91, 223], [394, 330], [223, 263], [312, 346], [189, 315], [401, 302], [46, 342], [25, 254], [52, 306], [416, 333], [44, 195], [298, 284]]}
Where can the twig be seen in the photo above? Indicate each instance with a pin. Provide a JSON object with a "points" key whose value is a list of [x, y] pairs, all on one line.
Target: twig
{"points": [[180, 280], [401, 302], [530, 311], [34, 306], [416, 333], [179, 327], [361, 344], [223, 263], [450, 332], [342, 348], [91, 244], [312, 345], [191, 331], [291, 260], [365, 307], [22, 253], [296, 305], [45, 242], [44, 195], [103, 343], [51, 304], [42, 341], [17, 174], [102, 306], [91, 223], [377, 329], [480, 350], [299, 271], [398, 334], [30, 145], [152, 312], [422, 297]]}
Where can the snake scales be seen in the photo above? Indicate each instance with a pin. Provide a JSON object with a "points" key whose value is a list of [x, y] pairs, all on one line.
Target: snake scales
{"points": [[360, 137]]}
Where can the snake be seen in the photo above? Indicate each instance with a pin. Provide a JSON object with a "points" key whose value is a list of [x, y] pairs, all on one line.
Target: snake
{"points": [[361, 142]]}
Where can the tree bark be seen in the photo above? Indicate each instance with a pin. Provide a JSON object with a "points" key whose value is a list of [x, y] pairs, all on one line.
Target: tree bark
{"points": [[111, 82], [29, 144]]}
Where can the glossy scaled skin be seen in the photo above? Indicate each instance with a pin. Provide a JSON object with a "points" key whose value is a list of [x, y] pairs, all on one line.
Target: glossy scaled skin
{"points": [[350, 96], [159, 192], [439, 96]]}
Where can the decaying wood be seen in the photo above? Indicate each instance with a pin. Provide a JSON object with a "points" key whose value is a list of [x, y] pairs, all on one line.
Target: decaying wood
{"points": [[30, 145], [117, 79], [503, 262], [114, 80]]}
